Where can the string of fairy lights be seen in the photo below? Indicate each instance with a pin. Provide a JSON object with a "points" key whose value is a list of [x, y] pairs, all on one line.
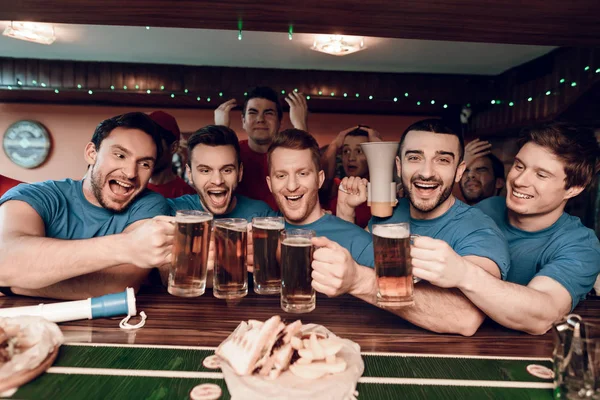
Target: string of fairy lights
{"points": [[402, 98]]}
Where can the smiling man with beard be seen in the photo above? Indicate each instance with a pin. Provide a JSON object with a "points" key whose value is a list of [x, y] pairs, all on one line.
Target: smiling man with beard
{"points": [[554, 258], [451, 233], [215, 168], [294, 179], [75, 239]]}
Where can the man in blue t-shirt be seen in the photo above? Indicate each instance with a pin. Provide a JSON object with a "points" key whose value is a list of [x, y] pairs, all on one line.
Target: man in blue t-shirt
{"points": [[554, 259], [215, 170], [294, 179], [75, 239], [454, 237]]}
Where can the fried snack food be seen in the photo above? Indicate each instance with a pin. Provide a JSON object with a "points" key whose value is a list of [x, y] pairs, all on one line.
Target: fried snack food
{"points": [[25, 342], [267, 349]]}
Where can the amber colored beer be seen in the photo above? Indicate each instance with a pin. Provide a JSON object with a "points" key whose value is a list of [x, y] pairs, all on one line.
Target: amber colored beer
{"points": [[393, 268], [230, 279], [297, 293], [187, 277], [265, 241]]}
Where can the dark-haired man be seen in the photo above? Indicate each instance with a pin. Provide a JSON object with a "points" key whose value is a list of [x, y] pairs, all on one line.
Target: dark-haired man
{"points": [[554, 259], [484, 173], [261, 119], [215, 168], [164, 180], [452, 234], [75, 239], [354, 163]]}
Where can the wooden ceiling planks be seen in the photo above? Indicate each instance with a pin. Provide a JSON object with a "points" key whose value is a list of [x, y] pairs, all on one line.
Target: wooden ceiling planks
{"points": [[539, 22]]}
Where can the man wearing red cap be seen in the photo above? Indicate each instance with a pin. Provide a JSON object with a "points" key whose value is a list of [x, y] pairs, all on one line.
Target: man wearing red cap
{"points": [[164, 180]]}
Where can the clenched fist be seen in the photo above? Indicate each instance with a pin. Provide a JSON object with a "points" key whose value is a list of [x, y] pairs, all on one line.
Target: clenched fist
{"points": [[151, 242]]}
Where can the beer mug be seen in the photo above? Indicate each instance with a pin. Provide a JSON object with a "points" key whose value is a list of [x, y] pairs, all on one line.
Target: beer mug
{"points": [[297, 293], [576, 358], [187, 276], [265, 242], [230, 279], [393, 268]]}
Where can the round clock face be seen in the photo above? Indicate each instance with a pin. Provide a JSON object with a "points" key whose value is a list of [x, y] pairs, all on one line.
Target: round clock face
{"points": [[26, 143]]}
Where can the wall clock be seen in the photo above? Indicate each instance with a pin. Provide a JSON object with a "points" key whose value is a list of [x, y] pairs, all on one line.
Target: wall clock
{"points": [[26, 143]]}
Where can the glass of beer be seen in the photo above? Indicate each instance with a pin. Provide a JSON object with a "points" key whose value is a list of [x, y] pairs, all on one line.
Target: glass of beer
{"points": [[187, 277], [297, 294], [393, 267], [265, 242], [230, 279]]}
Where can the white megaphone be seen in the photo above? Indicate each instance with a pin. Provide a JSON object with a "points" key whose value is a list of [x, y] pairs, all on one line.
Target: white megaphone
{"points": [[382, 188]]}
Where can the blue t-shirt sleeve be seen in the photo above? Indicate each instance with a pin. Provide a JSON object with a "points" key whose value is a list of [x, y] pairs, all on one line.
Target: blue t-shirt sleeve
{"points": [[487, 243], [148, 206], [576, 268], [363, 254], [40, 196]]}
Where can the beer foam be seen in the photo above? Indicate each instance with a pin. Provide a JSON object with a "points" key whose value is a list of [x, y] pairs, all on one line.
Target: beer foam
{"points": [[192, 219], [234, 226], [297, 242], [270, 225], [391, 231]]}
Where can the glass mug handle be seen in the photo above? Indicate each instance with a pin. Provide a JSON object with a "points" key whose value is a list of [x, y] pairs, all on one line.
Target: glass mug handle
{"points": [[412, 238]]}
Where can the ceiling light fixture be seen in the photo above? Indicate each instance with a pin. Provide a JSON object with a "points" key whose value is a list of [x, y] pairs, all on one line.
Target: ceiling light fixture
{"points": [[31, 31], [338, 45]]}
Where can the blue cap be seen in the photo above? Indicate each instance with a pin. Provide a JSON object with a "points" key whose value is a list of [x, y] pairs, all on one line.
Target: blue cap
{"points": [[112, 305]]}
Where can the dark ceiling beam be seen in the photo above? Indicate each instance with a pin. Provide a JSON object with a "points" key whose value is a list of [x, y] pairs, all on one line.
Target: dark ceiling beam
{"points": [[539, 22]]}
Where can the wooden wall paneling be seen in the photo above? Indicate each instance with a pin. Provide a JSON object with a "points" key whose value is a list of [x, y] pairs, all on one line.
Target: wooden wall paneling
{"points": [[31, 73], [117, 75], [20, 71], [56, 75], [7, 72], [105, 78], [93, 76], [130, 76], [81, 76], [43, 73], [68, 75]]}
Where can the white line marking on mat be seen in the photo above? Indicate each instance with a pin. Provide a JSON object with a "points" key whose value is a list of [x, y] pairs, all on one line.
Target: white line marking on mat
{"points": [[134, 372], [144, 346], [364, 353], [217, 375], [475, 357], [457, 382]]}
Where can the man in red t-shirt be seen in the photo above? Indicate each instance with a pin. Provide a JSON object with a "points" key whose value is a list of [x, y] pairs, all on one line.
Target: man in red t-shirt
{"points": [[261, 119], [354, 162], [164, 180], [6, 184]]}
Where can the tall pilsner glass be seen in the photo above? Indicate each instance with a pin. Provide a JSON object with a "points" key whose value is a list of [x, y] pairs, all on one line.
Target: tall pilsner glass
{"points": [[187, 277], [230, 280], [393, 267], [265, 241], [297, 294]]}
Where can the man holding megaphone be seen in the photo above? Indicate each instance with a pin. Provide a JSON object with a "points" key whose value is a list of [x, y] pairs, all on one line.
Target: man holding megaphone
{"points": [[429, 161]]}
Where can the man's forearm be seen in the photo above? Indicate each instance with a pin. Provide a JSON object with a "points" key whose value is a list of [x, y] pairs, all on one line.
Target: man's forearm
{"points": [[512, 305], [32, 262], [435, 309], [345, 212], [110, 280]]}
